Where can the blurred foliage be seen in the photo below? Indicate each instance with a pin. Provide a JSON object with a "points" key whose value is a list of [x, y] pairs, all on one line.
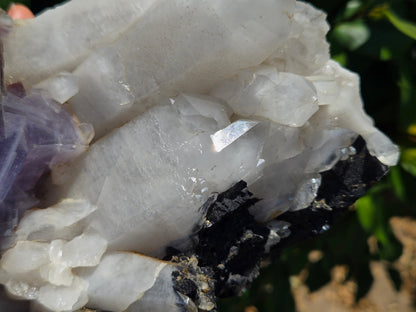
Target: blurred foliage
{"points": [[35, 5], [376, 39], [4, 4]]}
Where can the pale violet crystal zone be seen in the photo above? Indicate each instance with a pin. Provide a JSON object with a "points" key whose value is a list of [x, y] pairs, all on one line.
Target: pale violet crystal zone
{"points": [[37, 135], [187, 98]]}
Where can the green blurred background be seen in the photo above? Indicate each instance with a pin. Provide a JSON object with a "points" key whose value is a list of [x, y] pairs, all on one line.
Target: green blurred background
{"points": [[376, 39]]}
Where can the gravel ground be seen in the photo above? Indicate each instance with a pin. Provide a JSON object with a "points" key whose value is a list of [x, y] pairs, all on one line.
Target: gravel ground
{"points": [[339, 294]]}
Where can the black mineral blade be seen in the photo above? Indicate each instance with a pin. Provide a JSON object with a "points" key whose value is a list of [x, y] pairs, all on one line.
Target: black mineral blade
{"points": [[340, 188], [230, 244]]}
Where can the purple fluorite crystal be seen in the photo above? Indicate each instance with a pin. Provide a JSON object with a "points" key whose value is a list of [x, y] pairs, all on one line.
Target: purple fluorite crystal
{"points": [[36, 134]]}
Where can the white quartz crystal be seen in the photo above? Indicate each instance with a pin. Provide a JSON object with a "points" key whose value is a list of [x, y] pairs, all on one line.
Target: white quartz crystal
{"points": [[160, 168], [60, 87], [163, 46], [186, 98], [264, 92], [225, 137], [64, 220], [306, 49], [56, 273], [129, 275]]}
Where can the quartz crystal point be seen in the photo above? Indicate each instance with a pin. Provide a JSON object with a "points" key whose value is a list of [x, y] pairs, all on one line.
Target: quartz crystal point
{"points": [[212, 119]]}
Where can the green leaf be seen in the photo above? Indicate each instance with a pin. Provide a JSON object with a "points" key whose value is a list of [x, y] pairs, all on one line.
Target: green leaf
{"points": [[398, 183], [412, 129], [406, 27], [374, 215], [407, 98], [366, 211], [352, 7], [408, 160], [385, 54], [351, 35], [341, 58]]}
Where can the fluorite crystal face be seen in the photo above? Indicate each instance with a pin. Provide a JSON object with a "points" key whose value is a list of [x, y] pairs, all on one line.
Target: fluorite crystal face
{"points": [[37, 135], [209, 115]]}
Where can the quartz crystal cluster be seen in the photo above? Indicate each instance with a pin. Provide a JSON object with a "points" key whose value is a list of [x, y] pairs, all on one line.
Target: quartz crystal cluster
{"points": [[187, 98]]}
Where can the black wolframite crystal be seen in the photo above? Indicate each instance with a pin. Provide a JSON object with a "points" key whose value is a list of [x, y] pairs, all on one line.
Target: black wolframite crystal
{"points": [[230, 244]]}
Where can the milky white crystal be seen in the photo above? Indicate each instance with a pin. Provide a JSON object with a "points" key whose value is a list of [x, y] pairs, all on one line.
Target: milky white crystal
{"points": [[60, 221], [264, 92], [186, 98], [56, 273], [160, 168], [60, 88], [129, 276], [163, 47]]}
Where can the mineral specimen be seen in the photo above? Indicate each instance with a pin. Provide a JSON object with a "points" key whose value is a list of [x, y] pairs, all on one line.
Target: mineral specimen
{"points": [[212, 118]]}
